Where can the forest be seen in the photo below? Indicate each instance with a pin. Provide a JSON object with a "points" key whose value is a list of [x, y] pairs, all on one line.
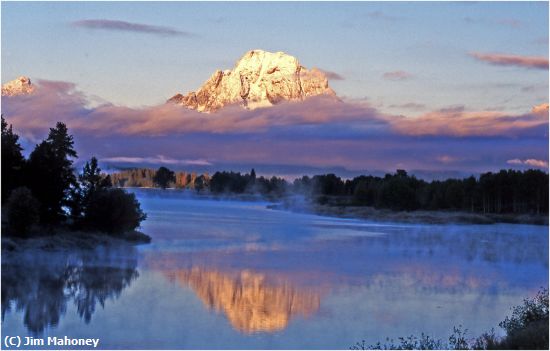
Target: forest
{"points": [[504, 192], [44, 193], [144, 178]]}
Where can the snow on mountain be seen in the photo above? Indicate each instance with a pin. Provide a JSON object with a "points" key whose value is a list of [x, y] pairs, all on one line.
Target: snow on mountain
{"points": [[259, 79], [19, 86]]}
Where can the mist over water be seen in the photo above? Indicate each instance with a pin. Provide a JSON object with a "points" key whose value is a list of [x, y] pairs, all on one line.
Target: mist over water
{"points": [[235, 274]]}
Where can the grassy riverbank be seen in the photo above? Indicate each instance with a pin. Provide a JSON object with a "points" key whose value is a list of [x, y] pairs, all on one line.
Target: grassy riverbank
{"points": [[425, 217], [73, 240]]}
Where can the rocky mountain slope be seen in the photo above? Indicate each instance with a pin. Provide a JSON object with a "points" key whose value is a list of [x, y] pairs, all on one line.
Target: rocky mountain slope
{"points": [[19, 86], [259, 79]]}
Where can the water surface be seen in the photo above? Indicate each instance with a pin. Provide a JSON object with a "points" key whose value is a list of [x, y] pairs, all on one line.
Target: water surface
{"points": [[234, 274]]}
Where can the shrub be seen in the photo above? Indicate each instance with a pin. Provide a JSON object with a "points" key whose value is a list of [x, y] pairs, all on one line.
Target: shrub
{"points": [[23, 211], [527, 328], [113, 211]]}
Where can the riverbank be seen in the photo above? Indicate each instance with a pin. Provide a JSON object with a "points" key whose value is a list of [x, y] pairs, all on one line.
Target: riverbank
{"points": [[72, 240], [424, 217]]}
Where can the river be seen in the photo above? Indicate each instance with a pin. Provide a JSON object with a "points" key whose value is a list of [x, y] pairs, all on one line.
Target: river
{"points": [[234, 274]]}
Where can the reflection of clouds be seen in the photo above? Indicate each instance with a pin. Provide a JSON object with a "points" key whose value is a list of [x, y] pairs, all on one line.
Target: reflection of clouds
{"points": [[250, 302], [41, 285]]}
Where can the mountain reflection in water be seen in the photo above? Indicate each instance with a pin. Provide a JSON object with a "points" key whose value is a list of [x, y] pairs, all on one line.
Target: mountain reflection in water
{"points": [[42, 284], [250, 302]]}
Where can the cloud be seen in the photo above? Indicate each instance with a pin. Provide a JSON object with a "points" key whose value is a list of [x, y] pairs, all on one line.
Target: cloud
{"points": [[446, 159], [116, 25], [159, 159], [409, 106], [515, 161], [533, 62], [60, 100], [332, 75], [53, 101], [397, 75], [456, 121], [536, 163], [528, 162], [319, 132]]}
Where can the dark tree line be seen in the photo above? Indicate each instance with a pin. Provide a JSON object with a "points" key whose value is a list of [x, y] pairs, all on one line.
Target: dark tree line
{"points": [[237, 183], [148, 178], [45, 189], [507, 191]]}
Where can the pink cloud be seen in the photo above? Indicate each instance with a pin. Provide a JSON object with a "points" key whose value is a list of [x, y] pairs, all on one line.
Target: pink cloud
{"points": [[319, 131], [457, 121], [536, 163], [409, 106], [397, 75], [536, 62], [446, 159], [55, 101], [160, 159], [332, 75], [529, 162]]}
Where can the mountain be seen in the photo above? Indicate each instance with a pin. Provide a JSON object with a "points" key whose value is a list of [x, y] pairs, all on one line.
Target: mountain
{"points": [[259, 79], [19, 86]]}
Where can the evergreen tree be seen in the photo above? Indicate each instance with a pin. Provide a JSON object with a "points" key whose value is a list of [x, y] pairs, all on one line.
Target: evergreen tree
{"points": [[51, 174], [12, 160], [91, 178], [90, 181], [163, 177]]}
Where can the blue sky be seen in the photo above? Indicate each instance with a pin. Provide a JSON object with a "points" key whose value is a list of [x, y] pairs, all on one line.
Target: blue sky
{"points": [[360, 41], [431, 75]]}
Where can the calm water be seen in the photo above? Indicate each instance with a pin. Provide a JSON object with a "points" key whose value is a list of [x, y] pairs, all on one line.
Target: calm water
{"points": [[229, 274]]}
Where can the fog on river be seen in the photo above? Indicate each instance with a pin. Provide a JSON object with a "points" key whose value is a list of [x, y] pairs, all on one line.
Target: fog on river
{"points": [[235, 274]]}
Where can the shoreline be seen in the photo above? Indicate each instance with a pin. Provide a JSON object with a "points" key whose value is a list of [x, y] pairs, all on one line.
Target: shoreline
{"points": [[373, 214], [72, 240], [420, 216]]}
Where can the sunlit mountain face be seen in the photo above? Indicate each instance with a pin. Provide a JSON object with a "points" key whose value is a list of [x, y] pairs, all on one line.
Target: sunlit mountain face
{"points": [[259, 79]]}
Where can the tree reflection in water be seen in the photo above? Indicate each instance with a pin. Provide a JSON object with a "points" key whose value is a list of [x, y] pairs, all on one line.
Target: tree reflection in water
{"points": [[42, 284]]}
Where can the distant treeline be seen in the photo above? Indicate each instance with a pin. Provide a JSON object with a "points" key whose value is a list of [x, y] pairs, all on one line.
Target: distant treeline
{"points": [[145, 177], [507, 191], [238, 183]]}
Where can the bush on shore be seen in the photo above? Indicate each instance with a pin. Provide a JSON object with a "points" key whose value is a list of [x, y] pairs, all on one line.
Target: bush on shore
{"points": [[113, 211], [526, 329], [23, 211]]}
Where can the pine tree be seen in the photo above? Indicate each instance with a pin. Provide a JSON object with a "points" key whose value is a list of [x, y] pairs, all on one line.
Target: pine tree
{"points": [[12, 160], [51, 173]]}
